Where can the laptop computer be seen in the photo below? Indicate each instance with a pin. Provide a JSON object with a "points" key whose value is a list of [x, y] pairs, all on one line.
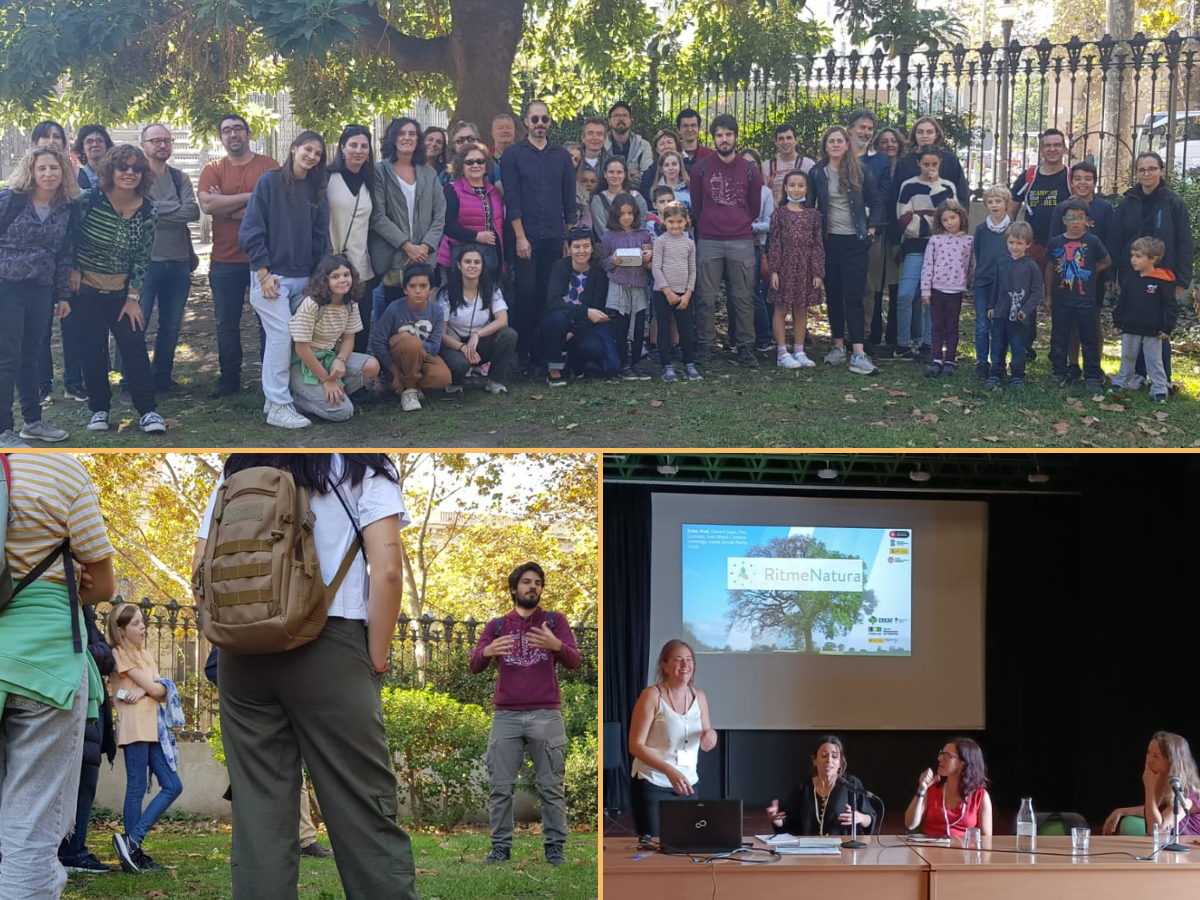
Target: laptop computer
{"points": [[700, 827]]}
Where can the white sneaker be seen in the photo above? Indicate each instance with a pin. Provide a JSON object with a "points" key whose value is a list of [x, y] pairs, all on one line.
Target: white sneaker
{"points": [[99, 421], [860, 364], [785, 360], [152, 423], [836, 356], [410, 400], [802, 359], [495, 387], [284, 415]]}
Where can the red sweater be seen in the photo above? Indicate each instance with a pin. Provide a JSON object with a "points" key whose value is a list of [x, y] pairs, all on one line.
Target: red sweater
{"points": [[527, 678], [726, 198]]}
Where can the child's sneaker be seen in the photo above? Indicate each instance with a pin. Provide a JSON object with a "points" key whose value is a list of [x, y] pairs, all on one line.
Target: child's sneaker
{"points": [[1094, 386], [802, 358], [1018, 384], [693, 373], [836, 356], [934, 370], [669, 374], [992, 383], [1158, 398], [785, 360], [949, 369], [981, 370]]}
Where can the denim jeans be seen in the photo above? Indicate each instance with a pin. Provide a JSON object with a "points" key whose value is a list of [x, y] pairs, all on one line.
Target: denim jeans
{"points": [[910, 310], [168, 283], [74, 849], [72, 361], [229, 283], [139, 757], [983, 325], [587, 350], [40, 750], [22, 310], [276, 318], [96, 314], [1008, 335]]}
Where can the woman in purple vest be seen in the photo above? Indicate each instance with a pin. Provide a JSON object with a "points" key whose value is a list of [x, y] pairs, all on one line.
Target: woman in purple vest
{"points": [[474, 211]]}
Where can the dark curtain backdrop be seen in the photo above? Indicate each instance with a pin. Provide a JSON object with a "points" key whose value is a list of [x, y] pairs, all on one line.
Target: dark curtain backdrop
{"points": [[1093, 611]]}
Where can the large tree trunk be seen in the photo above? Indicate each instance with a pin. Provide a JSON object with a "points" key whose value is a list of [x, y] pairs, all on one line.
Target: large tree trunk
{"points": [[483, 45], [1119, 101]]}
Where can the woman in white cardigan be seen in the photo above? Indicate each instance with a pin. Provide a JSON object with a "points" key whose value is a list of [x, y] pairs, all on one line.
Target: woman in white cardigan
{"points": [[351, 180]]}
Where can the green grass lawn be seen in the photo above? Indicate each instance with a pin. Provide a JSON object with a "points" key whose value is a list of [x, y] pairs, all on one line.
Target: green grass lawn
{"points": [[731, 407], [449, 867]]}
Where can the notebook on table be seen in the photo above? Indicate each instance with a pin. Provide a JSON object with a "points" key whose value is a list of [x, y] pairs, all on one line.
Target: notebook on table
{"points": [[700, 827]]}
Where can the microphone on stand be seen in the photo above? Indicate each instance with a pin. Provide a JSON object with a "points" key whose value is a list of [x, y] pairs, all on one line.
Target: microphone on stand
{"points": [[1177, 790], [854, 843]]}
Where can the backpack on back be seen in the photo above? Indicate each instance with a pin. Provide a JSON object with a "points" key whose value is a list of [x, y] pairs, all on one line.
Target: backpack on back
{"points": [[260, 584]]}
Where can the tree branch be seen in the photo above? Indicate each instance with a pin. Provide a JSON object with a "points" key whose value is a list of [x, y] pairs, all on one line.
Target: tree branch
{"points": [[408, 53]]}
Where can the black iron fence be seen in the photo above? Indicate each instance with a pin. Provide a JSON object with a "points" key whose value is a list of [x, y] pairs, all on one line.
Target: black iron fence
{"points": [[1113, 99], [426, 651]]}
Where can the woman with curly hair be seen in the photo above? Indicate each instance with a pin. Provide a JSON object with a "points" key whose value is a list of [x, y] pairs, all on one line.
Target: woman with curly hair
{"points": [[474, 211], [1167, 756], [35, 270], [325, 369], [955, 798], [285, 232], [113, 239]]}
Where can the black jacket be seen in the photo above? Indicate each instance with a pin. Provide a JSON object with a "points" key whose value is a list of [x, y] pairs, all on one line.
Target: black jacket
{"points": [[1147, 305], [99, 739], [1161, 214], [594, 295], [860, 201]]}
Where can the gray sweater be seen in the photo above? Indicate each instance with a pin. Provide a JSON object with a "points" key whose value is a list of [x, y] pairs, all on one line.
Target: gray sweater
{"points": [[173, 210], [389, 218]]}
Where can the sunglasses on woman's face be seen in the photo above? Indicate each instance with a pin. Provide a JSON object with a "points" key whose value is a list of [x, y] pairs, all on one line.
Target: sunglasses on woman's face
{"points": [[128, 167], [475, 162]]}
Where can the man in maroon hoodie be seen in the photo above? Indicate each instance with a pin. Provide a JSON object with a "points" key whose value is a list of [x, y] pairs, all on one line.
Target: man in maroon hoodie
{"points": [[527, 644], [726, 199]]}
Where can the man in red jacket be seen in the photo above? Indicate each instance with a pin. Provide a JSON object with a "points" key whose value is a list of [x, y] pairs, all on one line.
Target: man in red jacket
{"points": [[527, 644]]}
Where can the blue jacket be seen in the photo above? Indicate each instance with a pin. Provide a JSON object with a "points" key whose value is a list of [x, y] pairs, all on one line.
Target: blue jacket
{"points": [[539, 189], [285, 230], [860, 201]]}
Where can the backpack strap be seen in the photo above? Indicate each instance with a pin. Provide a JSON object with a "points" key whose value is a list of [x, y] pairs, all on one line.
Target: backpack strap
{"points": [[499, 629], [63, 550]]}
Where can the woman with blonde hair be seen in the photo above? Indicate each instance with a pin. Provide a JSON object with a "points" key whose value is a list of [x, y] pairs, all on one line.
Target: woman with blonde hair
{"points": [[35, 276], [670, 727], [1167, 757]]}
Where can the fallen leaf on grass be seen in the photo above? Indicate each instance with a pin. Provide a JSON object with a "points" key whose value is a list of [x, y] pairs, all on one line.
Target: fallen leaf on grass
{"points": [[1061, 428], [1148, 429], [172, 423], [537, 397], [1112, 407], [1158, 442], [1196, 443], [655, 404], [428, 872], [897, 393], [445, 845], [991, 438], [884, 425], [1089, 420], [583, 403], [155, 895], [850, 398], [929, 417], [1075, 402], [122, 427], [572, 425], [1161, 416]]}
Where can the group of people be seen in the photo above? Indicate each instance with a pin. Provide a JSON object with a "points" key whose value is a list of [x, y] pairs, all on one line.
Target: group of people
{"points": [[449, 260], [319, 704], [671, 725]]}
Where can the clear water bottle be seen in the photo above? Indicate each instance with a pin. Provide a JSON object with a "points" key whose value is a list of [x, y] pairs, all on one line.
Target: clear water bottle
{"points": [[1026, 827]]}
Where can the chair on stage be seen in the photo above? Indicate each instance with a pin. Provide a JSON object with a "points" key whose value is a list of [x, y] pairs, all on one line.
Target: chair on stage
{"points": [[1059, 822], [613, 759], [1132, 825]]}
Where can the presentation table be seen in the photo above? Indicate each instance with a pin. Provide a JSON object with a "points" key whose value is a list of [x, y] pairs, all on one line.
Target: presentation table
{"points": [[1108, 871], [890, 869]]}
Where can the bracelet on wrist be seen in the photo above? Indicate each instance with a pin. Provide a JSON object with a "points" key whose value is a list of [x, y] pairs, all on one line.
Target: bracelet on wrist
{"points": [[920, 795]]}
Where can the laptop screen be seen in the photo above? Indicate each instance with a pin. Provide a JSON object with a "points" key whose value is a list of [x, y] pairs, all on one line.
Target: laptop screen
{"points": [[700, 826]]}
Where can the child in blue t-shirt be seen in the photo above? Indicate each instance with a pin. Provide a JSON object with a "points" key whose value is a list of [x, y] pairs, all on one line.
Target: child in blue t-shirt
{"points": [[1076, 258]]}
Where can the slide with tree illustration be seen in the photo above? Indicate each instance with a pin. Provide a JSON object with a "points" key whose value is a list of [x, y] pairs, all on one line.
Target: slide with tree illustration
{"points": [[802, 589]]}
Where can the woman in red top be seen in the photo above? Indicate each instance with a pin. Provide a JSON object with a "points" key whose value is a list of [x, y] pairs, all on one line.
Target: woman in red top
{"points": [[954, 799]]}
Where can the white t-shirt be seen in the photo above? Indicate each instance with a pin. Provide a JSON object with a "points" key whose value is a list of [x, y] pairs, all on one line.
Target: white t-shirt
{"points": [[473, 316], [374, 499], [410, 200]]}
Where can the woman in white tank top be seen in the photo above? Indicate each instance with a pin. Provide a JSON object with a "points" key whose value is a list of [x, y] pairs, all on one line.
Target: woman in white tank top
{"points": [[670, 727]]}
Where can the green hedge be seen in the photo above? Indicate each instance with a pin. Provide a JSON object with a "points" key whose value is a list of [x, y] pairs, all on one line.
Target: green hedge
{"points": [[582, 781]]}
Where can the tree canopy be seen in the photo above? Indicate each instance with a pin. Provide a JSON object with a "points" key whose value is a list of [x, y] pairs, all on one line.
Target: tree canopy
{"points": [[120, 61]]}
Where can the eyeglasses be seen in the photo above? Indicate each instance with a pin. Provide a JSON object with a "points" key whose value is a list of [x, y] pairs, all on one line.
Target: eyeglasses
{"points": [[467, 138], [945, 754], [160, 142], [1054, 146], [235, 129], [1149, 171], [534, 120], [128, 167], [475, 162], [1074, 218], [95, 142]]}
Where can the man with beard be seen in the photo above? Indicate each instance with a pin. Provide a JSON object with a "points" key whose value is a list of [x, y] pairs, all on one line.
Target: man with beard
{"points": [[527, 644], [225, 189], [726, 199], [539, 203], [622, 142]]}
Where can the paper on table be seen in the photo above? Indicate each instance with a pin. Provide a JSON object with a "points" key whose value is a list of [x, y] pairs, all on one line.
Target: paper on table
{"points": [[926, 839], [804, 843], [810, 850]]}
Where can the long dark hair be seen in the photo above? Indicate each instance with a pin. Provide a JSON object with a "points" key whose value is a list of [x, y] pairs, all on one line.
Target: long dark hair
{"points": [[619, 202], [314, 471], [318, 174], [318, 284], [339, 158], [974, 773], [454, 287], [387, 147], [438, 163], [835, 741]]}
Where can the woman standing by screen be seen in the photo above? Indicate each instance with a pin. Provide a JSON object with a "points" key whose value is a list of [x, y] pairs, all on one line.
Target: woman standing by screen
{"points": [[670, 727]]}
